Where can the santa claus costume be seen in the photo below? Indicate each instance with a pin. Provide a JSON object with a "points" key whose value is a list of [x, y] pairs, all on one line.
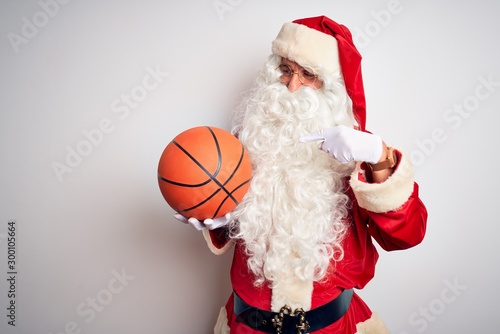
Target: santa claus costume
{"points": [[303, 235]]}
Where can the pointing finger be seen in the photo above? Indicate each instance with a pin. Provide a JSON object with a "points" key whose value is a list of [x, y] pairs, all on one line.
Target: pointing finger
{"points": [[310, 138]]}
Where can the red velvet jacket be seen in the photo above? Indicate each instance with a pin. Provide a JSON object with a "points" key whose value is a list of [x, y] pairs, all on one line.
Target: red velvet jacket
{"points": [[390, 213]]}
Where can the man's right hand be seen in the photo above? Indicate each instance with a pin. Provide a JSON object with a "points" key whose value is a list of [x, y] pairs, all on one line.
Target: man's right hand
{"points": [[207, 224]]}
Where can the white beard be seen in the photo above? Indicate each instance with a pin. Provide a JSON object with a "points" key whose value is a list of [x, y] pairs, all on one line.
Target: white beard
{"points": [[291, 218]]}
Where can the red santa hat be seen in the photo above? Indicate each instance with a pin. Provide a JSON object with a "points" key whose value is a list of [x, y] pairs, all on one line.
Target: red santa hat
{"points": [[326, 47]]}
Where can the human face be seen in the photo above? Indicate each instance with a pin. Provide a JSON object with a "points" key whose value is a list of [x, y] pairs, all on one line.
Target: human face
{"points": [[298, 77]]}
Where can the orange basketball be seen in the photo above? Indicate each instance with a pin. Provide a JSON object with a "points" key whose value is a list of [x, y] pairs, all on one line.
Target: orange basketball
{"points": [[204, 172]]}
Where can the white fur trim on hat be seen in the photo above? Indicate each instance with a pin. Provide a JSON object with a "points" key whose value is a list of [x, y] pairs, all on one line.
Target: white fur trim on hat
{"points": [[307, 47], [388, 195]]}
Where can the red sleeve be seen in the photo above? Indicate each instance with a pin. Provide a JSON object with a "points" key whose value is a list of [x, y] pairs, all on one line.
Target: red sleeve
{"points": [[393, 211], [402, 228], [219, 237], [218, 240]]}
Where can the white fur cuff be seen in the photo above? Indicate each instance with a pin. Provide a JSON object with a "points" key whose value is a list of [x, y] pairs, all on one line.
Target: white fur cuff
{"points": [[221, 326], [211, 246], [374, 325], [388, 195]]}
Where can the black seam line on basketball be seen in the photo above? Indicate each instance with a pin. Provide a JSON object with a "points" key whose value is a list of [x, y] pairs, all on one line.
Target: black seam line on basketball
{"points": [[212, 177], [221, 186], [230, 194], [242, 155], [217, 170], [219, 160], [222, 203], [219, 156], [184, 184], [202, 202], [215, 193]]}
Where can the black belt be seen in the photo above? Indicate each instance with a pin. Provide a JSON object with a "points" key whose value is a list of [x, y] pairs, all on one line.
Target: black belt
{"points": [[292, 322]]}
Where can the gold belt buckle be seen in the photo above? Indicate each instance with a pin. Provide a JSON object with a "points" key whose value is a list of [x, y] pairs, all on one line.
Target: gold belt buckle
{"points": [[303, 325]]}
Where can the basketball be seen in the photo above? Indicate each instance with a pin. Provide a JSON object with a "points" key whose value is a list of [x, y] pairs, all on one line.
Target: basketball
{"points": [[204, 172]]}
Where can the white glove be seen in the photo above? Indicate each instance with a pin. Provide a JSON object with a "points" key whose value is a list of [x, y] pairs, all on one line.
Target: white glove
{"points": [[210, 224], [347, 144]]}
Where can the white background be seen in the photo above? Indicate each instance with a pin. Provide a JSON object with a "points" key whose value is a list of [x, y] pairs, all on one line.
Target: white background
{"points": [[65, 69]]}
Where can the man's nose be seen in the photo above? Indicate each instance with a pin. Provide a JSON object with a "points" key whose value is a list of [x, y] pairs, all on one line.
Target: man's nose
{"points": [[294, 83]]}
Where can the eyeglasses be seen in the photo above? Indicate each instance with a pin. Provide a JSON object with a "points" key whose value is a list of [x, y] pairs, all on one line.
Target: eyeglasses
{"points": [[305, 77]]}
